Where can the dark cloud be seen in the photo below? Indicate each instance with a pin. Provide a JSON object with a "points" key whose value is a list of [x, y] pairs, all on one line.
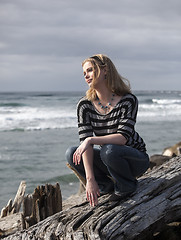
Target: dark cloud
{"points": [[43, 42]]}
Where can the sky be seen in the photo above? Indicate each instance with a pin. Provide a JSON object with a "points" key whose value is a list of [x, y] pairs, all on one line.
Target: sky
{"points": [[43, 42]]}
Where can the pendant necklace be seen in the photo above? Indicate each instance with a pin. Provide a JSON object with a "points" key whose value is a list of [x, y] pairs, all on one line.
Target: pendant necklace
{"points": [[107, 107]]}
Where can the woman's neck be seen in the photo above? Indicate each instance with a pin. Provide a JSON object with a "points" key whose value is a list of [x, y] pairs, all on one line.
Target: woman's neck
{"points": [[104, 94], [106, 100]]}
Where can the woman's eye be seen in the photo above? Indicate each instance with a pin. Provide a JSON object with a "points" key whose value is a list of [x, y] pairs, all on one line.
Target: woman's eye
{"points": [[87, 71]]}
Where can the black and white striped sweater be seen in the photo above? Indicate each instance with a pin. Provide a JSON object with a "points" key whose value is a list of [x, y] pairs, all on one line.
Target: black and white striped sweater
{"points": [[121, 119]]}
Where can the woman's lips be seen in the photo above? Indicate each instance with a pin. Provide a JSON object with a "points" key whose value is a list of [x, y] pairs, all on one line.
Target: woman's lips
{"points": [[89, 81]]}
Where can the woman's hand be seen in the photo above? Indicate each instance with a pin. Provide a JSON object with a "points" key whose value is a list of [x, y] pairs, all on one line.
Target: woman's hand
{"points": [[80, 150], [92, 192]]}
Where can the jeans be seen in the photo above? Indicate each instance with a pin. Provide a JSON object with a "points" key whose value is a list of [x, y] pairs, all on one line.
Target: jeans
{"points": [[121, 163]]}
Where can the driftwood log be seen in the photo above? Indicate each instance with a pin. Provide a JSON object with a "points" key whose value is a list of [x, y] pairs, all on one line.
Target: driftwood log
{"points": [[156, 202], [42, 203]]}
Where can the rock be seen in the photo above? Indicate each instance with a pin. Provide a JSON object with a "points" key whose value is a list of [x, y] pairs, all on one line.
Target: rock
{"points": [[157, 160], [173, 150]]}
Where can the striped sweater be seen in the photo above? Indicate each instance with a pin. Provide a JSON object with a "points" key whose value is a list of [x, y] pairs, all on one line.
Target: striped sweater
{"points": [[121, 119]]}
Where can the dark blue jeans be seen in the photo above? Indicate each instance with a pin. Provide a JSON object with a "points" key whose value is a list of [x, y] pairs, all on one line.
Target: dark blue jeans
{"points": [[123, 164]]}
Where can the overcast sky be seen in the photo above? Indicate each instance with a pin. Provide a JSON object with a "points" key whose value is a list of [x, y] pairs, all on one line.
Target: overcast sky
{"points": [[43, 42]]}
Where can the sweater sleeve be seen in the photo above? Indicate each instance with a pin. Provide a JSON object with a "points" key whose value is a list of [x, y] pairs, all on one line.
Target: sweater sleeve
{"points": [[84, 126], [128, 114]]}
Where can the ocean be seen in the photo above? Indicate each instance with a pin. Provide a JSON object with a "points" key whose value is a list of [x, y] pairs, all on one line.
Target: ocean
{"points": [[36, 128]]}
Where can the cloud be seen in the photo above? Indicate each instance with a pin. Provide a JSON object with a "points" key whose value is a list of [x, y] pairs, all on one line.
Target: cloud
{"points": [[43, 42]]}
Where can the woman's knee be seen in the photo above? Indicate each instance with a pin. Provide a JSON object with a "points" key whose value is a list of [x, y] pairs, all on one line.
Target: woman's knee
{"points": [[107, 153], [110, 153], [69, 154]]}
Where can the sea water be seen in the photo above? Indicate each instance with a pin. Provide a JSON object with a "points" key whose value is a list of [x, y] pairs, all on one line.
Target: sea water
{"points": [[36, 129]]}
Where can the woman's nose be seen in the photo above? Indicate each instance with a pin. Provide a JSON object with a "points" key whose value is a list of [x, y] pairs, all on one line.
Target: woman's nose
{"points": [[86, 75]]}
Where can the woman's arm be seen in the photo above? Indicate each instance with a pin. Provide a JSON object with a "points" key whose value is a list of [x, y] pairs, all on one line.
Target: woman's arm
{"points": [[117, 139], [85, 152], [92, 189]]}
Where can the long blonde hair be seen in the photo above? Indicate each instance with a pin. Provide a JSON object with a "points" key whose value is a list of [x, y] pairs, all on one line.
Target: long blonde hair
{"points": [[114, 81]]}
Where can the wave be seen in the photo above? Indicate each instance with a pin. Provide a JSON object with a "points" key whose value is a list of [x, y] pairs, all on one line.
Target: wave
{"points": [[160, 111], [159, 101], [36, 113], [36, 118], [166, 101], [12, 104], [39, 120]]}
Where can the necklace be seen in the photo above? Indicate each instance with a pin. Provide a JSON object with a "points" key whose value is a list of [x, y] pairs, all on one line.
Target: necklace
{"points": [[107, 107]]}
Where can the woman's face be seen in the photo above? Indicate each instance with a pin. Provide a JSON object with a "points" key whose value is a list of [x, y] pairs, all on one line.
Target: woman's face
{"points": [[88, 72]]}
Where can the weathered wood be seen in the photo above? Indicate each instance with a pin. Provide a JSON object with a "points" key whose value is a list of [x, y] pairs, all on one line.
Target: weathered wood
{"points": [[11, 224], [14, 207], [19, 197], [156, 202], [6, 210], [44, 202]]}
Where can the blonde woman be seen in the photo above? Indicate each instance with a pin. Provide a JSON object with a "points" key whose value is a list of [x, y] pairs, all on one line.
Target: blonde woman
{"points": [[107, 117]]}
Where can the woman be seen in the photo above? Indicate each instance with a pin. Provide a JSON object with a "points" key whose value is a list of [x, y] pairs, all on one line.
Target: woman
{"points": [[106, 117]]}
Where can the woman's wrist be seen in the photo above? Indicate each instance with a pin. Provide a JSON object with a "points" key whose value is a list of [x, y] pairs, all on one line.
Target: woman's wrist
{"points": [[89, 140], [90, 178]]}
